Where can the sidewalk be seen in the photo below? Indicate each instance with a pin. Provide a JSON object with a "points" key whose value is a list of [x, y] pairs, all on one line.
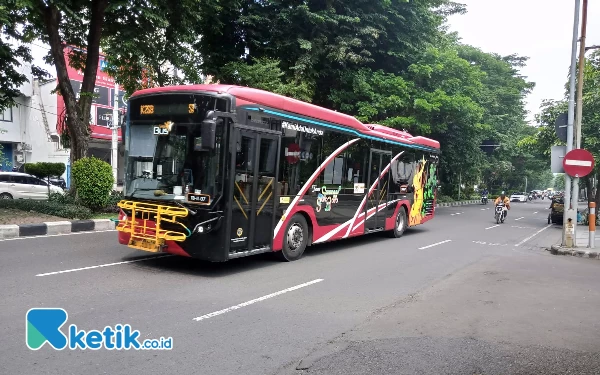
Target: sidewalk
{"points": [[583, 236]]}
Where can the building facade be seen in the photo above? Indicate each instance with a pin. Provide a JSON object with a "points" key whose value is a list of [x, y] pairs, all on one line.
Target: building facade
{"points": [[29, 128]]}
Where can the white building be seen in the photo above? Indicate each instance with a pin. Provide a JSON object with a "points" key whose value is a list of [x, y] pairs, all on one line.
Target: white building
{"points": [[30, 134]]}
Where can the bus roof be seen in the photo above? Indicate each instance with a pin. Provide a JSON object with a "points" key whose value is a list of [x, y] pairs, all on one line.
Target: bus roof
{"points": [[272, 100]]}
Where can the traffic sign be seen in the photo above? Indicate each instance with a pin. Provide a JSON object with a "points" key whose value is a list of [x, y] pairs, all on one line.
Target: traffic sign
{"points": [[578, 163], [292, 153], [560, 126]]}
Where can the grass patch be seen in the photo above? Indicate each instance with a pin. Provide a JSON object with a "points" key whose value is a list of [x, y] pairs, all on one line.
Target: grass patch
{"points": [[67, 211], [105, 216]]}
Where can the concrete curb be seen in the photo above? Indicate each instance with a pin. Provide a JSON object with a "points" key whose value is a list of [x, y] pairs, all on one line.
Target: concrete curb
{"points": [[559, 250], [55, 227], [454, 204]]}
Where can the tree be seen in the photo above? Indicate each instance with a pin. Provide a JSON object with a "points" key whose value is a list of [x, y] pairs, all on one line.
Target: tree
{"points": [[148, 42], [45, 170], [12, 56], [545, 137], [59, 24]]}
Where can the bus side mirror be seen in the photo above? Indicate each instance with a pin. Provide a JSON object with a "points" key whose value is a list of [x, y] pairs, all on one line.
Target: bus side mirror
{"points": [[208, 132]]}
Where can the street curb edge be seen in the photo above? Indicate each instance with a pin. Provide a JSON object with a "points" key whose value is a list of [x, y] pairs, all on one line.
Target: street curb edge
{"points": [[55, 228]]}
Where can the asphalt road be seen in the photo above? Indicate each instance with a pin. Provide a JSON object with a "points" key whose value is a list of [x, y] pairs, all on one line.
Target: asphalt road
{"points": [[457, 295]]}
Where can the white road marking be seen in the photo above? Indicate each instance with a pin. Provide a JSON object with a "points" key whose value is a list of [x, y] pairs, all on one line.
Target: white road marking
{"points": [[103, 265], [494, 226], [435, 244], [456, 213], [535, 212], [533, 235], [57, 235], [488, 243], [521, 218], [220, 312], [515, 226]]}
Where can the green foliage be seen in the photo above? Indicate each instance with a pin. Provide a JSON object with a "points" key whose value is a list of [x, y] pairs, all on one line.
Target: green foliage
{"points": [[545, 136], [142, 38], [93, 181], [559, 182], [68, 211], [44, 170], [265, 74]]}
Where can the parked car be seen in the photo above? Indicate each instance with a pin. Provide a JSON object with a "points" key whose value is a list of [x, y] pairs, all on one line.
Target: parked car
{"points": [[16, 185], [557, 208], [518, 197]]}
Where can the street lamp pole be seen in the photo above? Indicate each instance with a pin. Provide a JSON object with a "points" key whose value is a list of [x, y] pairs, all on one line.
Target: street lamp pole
{"points": [[579, 106], [571, 118]]}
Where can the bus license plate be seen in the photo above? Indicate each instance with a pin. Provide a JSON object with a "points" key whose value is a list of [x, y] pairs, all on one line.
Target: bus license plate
{"points": [[146, 245]]}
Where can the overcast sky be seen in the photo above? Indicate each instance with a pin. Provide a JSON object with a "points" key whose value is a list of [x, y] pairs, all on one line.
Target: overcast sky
{"points": [[539, 29]]}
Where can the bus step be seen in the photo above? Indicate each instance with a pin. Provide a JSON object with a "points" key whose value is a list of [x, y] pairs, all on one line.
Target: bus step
{"points": [[241, 254]]}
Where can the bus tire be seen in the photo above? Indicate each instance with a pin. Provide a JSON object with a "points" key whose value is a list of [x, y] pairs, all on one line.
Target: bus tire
{"points": [[295, 239], [400, 223]]}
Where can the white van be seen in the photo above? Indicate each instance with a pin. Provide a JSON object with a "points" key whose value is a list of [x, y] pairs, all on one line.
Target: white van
{"points": [[15, 185]]}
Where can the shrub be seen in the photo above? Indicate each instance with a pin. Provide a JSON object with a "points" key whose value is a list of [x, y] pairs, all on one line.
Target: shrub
{"points": [[444, 199], [93, 182], [67, 198], [68, 211], [45, 170], [111, 206]]}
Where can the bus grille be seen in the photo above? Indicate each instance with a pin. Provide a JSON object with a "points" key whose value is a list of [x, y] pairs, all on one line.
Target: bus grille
{"points": [[144, 224]]}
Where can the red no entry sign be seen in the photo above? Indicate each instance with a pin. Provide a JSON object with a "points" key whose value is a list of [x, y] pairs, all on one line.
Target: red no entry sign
{"points": [[292, 153], [578, 163]]}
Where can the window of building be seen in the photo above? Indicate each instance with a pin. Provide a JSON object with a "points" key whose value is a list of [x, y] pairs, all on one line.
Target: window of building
{"points": [[6, 115]]}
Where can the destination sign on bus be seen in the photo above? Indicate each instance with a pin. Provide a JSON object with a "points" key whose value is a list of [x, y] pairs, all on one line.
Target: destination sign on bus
{"points": [[167, 109]]}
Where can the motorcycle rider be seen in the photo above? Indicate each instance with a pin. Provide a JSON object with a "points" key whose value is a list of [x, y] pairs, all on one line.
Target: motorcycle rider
{"points": [[503, 199], [484, 194]]}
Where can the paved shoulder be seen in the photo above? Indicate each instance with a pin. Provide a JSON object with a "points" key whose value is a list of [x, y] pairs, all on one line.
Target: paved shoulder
{"points": [[502, 316]]}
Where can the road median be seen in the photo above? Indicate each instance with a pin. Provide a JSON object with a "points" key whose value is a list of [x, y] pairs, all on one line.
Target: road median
{"points": [[460, 203], [55, 228]]}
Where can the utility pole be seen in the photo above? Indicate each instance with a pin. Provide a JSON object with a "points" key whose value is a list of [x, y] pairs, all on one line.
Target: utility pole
{"points": [[571, 117], [525, 184], [114, 147], [579, 106]]}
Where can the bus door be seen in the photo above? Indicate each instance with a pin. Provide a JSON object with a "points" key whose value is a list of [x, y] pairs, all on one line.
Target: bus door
{"points": [[254, 189], [375, 209]]}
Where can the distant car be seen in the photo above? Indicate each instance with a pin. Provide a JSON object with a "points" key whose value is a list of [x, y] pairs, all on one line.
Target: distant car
{"points": [[15, 185], [518, 197]]}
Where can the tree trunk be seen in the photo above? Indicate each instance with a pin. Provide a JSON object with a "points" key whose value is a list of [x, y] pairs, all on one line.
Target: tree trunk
{"points": [[77, 114], [98, 8]]}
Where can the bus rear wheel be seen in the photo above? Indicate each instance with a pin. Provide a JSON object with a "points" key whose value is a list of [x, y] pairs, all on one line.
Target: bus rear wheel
{"points": [[400, 224], [295, 239]]}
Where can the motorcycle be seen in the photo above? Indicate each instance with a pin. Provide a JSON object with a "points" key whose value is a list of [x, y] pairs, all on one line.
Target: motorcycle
{"points": [[500, 213], [484, 199]]}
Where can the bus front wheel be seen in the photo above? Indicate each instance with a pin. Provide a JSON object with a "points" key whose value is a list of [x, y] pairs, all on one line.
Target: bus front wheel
{"points": [[295, 240]]}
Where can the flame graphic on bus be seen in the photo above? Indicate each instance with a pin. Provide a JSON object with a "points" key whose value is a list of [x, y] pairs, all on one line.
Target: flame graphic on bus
{"points": [[416, 214]]}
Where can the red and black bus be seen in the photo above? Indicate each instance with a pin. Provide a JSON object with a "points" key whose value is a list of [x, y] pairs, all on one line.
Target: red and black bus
{"points": [[218, 172]]}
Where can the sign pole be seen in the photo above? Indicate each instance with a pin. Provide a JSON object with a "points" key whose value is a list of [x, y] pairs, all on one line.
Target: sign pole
{"points": [[579, 106], [114, 148], [568, 216], [592, 225]]}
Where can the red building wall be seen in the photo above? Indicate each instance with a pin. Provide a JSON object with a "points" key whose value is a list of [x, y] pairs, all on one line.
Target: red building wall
{"points": [[102, 106]]}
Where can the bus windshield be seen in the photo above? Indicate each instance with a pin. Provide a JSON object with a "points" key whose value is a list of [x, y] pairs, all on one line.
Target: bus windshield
{"points": [[166, 161]]}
